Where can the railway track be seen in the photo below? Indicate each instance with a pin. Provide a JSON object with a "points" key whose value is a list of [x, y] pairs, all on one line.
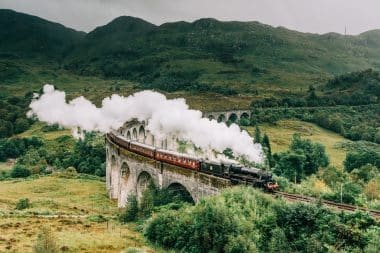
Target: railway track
{"points": [[345, 207]]}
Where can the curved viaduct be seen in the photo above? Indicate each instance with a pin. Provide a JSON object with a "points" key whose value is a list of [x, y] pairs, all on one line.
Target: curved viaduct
{"points": [[129, 173]]}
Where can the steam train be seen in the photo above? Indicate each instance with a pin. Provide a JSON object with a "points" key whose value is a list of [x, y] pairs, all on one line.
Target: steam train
{"points": [[236, 173]]}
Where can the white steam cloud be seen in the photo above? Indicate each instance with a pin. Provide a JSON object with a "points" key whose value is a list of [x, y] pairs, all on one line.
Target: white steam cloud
{"points": [[164, 117]]}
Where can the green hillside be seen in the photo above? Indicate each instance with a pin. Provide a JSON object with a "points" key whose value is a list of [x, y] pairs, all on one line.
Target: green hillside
{"points": [[203, 56], [241, 55], [27, 36]]}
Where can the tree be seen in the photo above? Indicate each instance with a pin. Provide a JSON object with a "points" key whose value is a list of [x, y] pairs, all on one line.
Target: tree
{"points": [[358, 159], [290, 165], [20, 171], [347, 192], [147, 200], [333, 176], [315, 154], [372, 189], [21, 125], [364, 173], [266, 144], [312, 98], [131, 211], [257, 135], [229, 153]]}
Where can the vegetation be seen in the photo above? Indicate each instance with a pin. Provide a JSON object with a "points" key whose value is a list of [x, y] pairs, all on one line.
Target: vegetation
{"points": [[286, 77], [131, 210], [36, 156], [362, 158], [20, 171], [205, 55], [13, 114], [23, 204], [244, 220], [303, 159], [69, 207], [46, 242], [359, 122]]}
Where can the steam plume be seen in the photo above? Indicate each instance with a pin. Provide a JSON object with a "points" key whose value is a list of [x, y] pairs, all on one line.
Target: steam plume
{"points": [[164, 117]]}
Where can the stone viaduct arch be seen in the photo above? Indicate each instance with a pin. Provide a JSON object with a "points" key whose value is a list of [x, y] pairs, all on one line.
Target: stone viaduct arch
{"points": [[179, 190], [141, 135], [144, 180], [134, 134], [224, 116]]}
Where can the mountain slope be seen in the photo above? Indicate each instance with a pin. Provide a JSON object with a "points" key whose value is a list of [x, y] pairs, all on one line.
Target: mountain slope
{"points": [[23, 35], [205, 55], [211, 51]]}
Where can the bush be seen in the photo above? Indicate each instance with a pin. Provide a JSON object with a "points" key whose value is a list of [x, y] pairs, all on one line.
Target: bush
{"points": [[131, 211], [355, 160], [244, 220], [20, 171], [46, 242], [22, 204]]}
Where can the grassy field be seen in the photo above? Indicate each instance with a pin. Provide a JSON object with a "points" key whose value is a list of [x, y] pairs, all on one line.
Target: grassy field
{"points": [[36, 130], [96, 88], [81, 199], [281, 134]]}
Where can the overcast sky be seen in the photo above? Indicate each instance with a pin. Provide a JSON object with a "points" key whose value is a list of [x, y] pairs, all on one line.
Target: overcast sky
{"points": [[317, 16]]}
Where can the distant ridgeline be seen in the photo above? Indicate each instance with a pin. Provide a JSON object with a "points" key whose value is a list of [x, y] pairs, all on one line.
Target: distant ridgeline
{"points": [[206, 55]]}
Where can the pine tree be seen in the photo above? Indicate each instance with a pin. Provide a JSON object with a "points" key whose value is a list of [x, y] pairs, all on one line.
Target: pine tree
{"points": [[257, 135], [266, 144], [132, 209]]}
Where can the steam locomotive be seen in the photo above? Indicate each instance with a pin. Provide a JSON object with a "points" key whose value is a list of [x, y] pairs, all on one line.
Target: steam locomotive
{"points": [[234, 172]]}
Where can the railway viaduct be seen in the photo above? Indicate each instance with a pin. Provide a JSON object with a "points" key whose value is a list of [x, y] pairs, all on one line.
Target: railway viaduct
{"points": [[129, 173], [225, 116]]}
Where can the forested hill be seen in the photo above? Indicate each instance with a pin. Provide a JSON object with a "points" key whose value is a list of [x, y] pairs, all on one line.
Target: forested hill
{"points": [[211, 51], [23, 35], [204, 53]]}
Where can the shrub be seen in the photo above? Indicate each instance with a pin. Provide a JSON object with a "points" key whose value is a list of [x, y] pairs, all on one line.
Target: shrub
{"points": [[46, 242], [20, 171], [358, 159], [23, 204], [131, 211], [244, 220]]}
